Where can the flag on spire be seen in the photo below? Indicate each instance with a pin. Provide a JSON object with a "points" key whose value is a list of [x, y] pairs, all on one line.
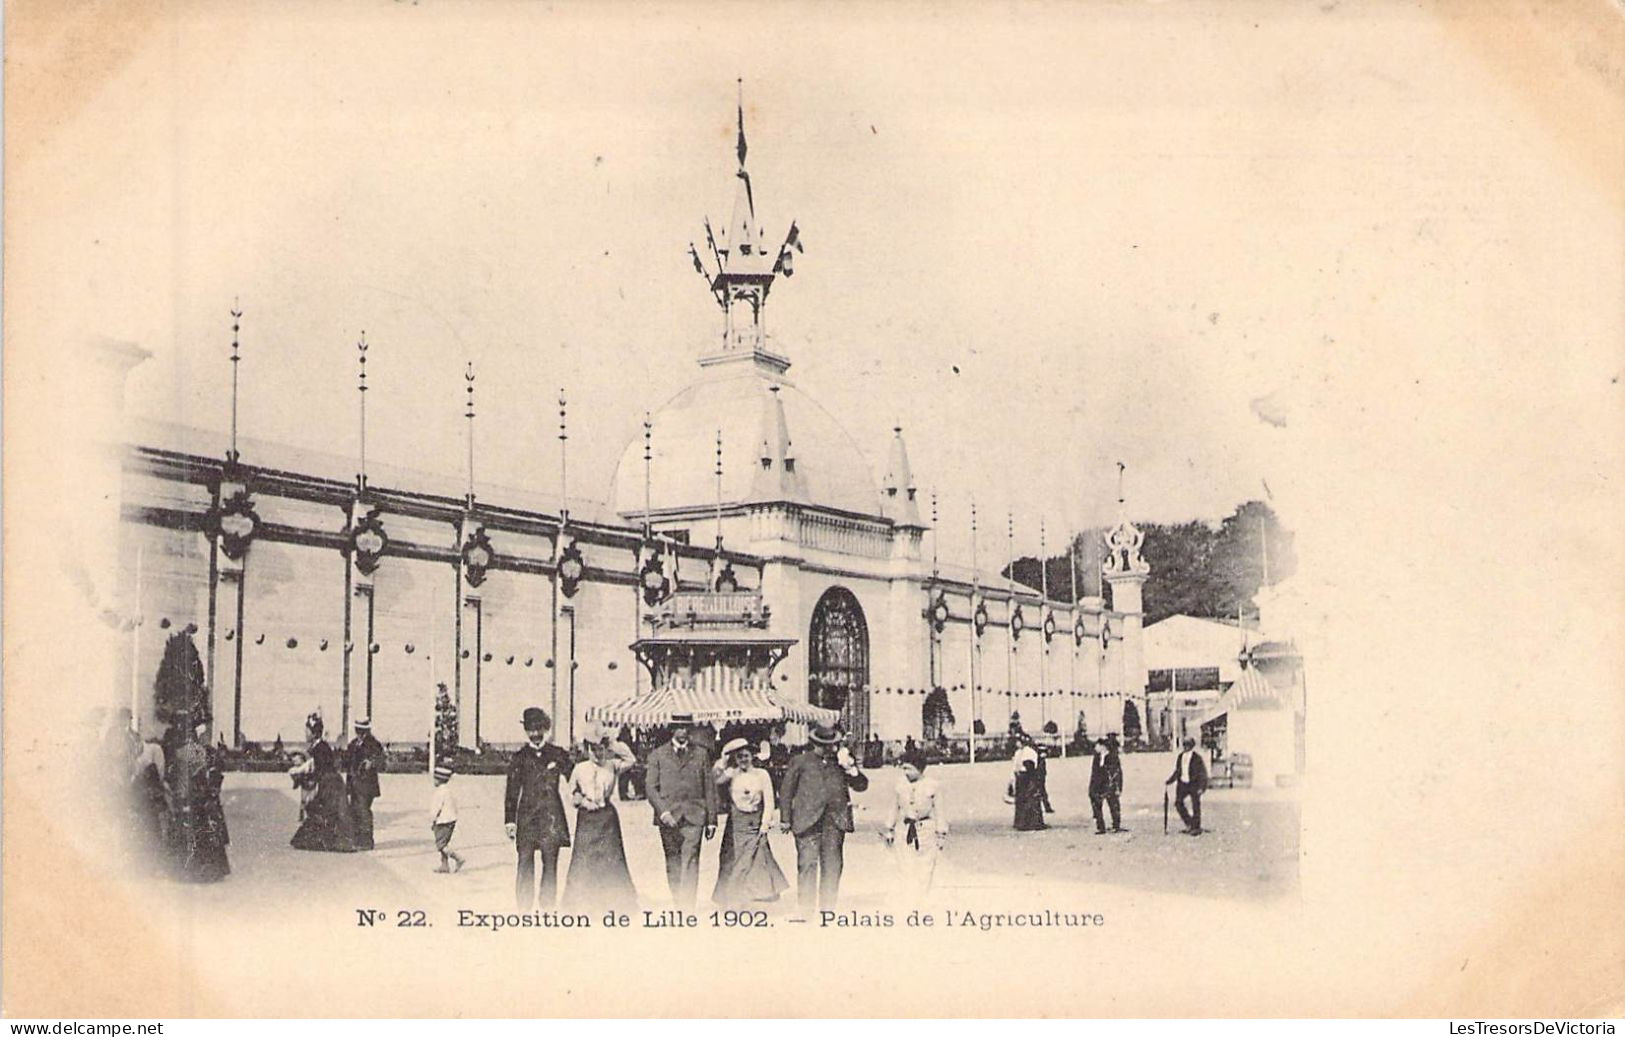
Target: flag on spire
{"points": [[741, 124], [698, 266]]}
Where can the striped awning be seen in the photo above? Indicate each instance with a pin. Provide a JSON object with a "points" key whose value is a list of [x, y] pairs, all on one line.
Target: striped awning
{"points": [[706, 705], [1250, 691]]}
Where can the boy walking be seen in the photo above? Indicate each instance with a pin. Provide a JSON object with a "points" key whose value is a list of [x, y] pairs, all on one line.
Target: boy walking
{"points": [[443, 821]]}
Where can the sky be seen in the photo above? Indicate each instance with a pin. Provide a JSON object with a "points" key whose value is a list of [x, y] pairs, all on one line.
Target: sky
{"points": [[1041, 239]]}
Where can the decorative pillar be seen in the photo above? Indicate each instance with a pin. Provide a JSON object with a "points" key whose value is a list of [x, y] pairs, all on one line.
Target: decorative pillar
{"points": [[365, 547], [232, 524], [1125, 573], [475, 557]]}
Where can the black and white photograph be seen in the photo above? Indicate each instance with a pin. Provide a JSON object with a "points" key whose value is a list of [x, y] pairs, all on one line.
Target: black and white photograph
{"points": [[1045, 510]]}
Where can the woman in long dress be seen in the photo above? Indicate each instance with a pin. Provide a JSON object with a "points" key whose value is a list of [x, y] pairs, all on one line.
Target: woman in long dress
{"points": [[598, 876], [917, 827], [326, 824], [1027, 790], [747, 873], [198, 826]]}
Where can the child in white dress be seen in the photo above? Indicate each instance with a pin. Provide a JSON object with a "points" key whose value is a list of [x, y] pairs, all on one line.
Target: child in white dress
{"points": [[916, 827]]}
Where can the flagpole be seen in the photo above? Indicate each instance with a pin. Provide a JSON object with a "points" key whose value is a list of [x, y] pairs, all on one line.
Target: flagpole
{"points": [[1009, 613], [648, 543], [468, 376], [1043, 656], [1072, 565], [975, 641], [716, 561], [236, 320], [558, 551]]}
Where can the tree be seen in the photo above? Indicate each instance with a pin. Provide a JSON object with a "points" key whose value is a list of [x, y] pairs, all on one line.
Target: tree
{"points": [[445, 725], [1197, 569], [180, 696], [1245, 543], [1131, 720]]}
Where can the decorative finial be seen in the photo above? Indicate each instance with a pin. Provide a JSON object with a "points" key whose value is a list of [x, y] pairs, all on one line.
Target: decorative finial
{"points": [[236, 320], [1123, 540], [648, 471], [564, 460], [741, 83], [361, 385], [468, 376]]}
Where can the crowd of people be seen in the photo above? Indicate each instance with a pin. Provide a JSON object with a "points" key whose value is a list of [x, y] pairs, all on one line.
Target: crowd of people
{"points": [[170, 803], [692, 796], [337, 790], [1028, 789], [166, 796]]}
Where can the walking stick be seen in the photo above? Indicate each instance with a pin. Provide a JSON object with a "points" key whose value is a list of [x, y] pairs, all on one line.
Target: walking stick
{"points": [[1165, 810]]}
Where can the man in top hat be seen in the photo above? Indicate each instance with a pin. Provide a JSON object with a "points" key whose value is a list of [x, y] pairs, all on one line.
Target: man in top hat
{"points": [[1106, 784], [815, 805], [680, 789], [1189, 780], [363, 762], [533, 810]]}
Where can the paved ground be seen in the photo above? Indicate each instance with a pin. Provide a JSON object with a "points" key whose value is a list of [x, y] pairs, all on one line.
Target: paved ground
{"points": [[1250, 854]]}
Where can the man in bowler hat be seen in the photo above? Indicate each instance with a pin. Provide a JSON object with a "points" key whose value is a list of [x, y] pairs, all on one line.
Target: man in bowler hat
{"points": [[816, 806], [1106, 784], [680, 789], [533, 811], [363, 761], [1189, 780]]}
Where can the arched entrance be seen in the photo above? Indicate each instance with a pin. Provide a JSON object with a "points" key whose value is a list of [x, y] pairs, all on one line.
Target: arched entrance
{"points": [[838, 660]]}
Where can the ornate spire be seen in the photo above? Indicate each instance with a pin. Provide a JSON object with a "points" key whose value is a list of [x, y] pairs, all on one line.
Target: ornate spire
{"points": [[742, 269], [776, 479], [898, 491], [1123, 540]]}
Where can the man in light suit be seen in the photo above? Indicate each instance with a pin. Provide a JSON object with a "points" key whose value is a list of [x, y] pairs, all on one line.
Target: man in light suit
{"points": [[1189, 780], [679, 787], [815, 805]]}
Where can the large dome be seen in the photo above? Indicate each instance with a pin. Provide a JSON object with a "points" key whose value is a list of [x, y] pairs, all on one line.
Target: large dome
{"points": [[757, 412]]}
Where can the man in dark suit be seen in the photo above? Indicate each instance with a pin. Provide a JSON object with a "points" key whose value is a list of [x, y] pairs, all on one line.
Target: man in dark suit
{"points": [[363, 762], [1189, 780], [815, 805], [533, 812], [679, 787], [1106, 784]]}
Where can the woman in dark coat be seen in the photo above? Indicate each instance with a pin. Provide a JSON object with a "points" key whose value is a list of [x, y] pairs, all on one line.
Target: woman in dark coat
{"points": [[198, 836], [1027, 790], [327, 825]]}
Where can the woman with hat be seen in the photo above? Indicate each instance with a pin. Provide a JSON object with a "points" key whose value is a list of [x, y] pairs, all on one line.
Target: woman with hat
{"points": [[747, 872], [598, 876], [917, 826], [1027, 787], [327, 826]]}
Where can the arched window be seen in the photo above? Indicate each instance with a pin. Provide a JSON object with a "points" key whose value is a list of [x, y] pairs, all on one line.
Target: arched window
{"points": [[838, 660]]}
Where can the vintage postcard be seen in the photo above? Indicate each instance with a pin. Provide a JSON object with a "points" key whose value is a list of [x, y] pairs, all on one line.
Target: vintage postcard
{"points": [[900, 509]]}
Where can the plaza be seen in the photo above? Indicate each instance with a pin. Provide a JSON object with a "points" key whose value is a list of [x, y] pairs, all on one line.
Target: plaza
{"points": [[1249, 853]]}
